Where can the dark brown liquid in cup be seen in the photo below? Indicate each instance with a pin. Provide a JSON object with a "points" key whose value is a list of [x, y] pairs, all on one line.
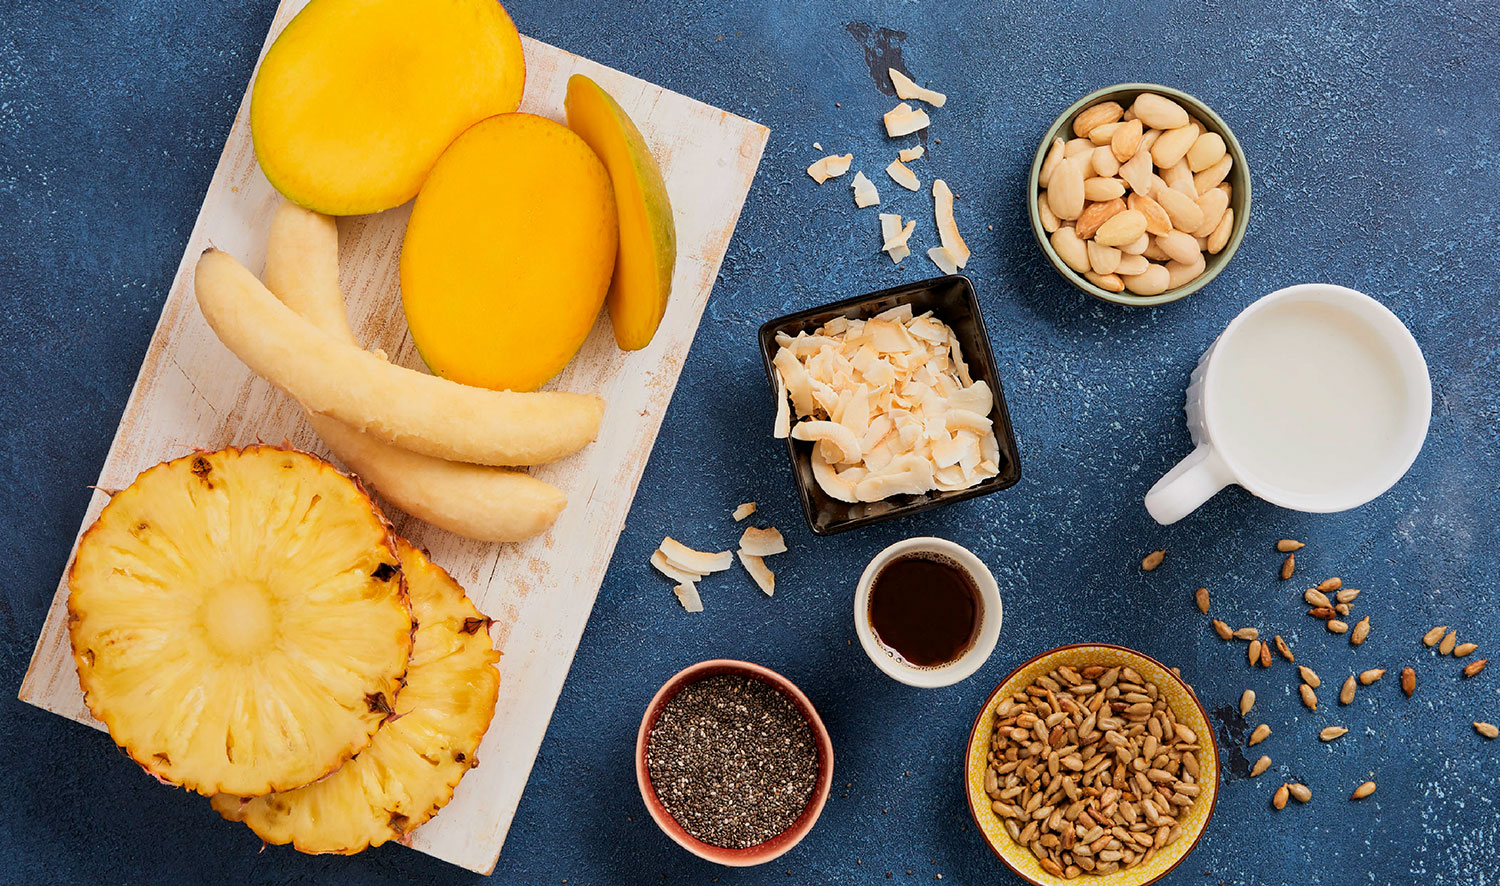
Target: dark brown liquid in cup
{"points": [[924, 608]]}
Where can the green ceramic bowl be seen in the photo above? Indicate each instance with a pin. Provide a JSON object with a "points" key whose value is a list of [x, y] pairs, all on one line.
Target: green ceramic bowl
{"points": [[1239, 180]]}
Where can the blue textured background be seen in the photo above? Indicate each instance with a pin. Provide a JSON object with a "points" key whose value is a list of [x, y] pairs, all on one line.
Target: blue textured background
{"points": [[1374, 145]]}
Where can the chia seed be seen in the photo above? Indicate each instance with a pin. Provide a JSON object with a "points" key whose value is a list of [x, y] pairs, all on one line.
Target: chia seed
{"points": [[732, 760]]}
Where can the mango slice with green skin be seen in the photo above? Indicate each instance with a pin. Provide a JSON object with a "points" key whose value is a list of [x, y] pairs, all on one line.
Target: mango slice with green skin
{"points": [[508, 253], [356, 99], [648, 239]]}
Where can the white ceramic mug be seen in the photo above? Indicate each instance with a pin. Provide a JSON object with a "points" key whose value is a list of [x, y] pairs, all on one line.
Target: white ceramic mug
{"points": [[989, 614], [1315, 398]]}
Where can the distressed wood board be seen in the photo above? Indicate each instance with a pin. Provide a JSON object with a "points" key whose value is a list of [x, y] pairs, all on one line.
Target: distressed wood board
{"points": [[191, 392]]}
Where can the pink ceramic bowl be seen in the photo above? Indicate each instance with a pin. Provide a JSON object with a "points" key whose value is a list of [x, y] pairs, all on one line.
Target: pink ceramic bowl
{"points": [[782, 842]]}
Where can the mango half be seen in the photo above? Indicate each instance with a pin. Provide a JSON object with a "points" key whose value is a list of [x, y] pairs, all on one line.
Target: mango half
{"points": [[648, 238], [508, 253], [356, 99]]}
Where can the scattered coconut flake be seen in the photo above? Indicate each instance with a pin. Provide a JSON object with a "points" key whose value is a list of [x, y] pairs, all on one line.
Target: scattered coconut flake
{"points": [[909, 154], [687, 595], [762, 542], [903, 119], [748, 507], [817, 146], [903, 176], [943, 259], [865, 193], [667, 568], [942, 204], [894, 237], [907, 88], [900, 237], [764, 577], [832, 166], [701, 562]]}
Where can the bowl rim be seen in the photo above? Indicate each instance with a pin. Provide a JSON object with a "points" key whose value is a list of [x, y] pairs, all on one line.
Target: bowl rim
{"points": [[1204, 112], [783, 842], [989, 700], [985, 358]]}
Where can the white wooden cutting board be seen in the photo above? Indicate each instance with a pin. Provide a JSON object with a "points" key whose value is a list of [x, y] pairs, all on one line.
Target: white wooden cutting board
{"points": [[191, 392]]}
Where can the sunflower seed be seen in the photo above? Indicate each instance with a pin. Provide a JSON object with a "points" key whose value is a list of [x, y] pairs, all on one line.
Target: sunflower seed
{"points": [[1278, 800], [1300, 792], [1337, 627], [1153, 560], [1309, 697], [1474, 667], [1463, 649], [1288, 566], [1224, 631], [1201, 597], [1309, 676], [1363, 791], [1433, 636], [1259, 735], [1285, 650], [1449, 641], [1323, 612], [1408, 681], [1341, 608], [1330, 584], [1247, 701], [1347, 595], [1260, 766], [1488, 730], [1370, 676], [1361, 631], [1346, 692], [1265, 655], [1288, 545], [1246, 634], [1254, 653], [1315, 597], [1329, 733]]}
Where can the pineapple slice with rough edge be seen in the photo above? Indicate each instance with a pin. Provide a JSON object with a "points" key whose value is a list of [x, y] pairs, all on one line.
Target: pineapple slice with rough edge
{"points": [[239, 619], [410, 770]]}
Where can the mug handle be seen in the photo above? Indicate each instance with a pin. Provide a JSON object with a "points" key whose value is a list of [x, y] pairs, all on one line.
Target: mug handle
{"points": [[1192, 482]]}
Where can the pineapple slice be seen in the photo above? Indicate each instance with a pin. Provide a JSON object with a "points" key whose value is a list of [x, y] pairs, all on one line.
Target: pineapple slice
{"points": [[411, 768], [239, 620]]}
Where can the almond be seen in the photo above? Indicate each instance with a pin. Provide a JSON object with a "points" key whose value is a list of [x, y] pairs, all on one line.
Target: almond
{"points": [[1159, 112], [1121, 228], [1183, 273], [1106, 282], [1050, 221], [1100, 189], [1213, 205], [1125, 141], [1206, 151], [1137, 173], [1070, 249], [1101, 135], [1077, 146], [1065, 193], [1173, 145], [1181, 247], [1130, 264], [1138, 247], [1220, 237], [1096, 115], [1153, 281], [1104, 161], [1095, 215], [1157, 220], [1182, 209], [1103, 259], [1049, 165], [1210, 177]]}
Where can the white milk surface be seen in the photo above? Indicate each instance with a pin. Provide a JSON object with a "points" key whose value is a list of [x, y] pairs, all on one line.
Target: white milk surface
{"points": [[1307, 397]]}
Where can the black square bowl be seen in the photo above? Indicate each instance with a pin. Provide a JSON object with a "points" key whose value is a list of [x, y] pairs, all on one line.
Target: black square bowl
{"points": [[951, 299]]}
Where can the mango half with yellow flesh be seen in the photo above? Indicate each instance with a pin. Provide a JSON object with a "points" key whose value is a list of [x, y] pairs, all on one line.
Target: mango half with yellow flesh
{"points": [[648, 239], [508, 253], [356, 99]]}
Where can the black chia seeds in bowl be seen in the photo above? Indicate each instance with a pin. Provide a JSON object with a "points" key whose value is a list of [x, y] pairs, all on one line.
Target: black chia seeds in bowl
{"points": [[733, 762]]}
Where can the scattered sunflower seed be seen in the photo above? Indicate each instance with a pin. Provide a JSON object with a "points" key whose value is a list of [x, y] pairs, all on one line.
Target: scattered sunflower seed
{"points": [[1278, 800], [1346, 692], [1463, 649], [1363, 791], [1246, 634], [1329, 733], [1475, 667], [1288, 566], [1254, 653], [1330, 584], [1261, 765], [1337, 627], [1260, 734], [1300, 792], [1285, 650], [1361, 631], [1315, 597], [1265, 655], [1433, 636], [1201, 597], [1288, 545], [1323, 612], [1309, 676], [1153, 560], [1488, 730], [1370, 676], [1224, 631], [1450, 640], [1309, 697], [1341, 608], [1347, 595], [1247, 701], [1408, 681]]}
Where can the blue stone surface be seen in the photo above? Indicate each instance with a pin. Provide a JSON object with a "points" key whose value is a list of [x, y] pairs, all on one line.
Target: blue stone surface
{"points": [[1371, 130]]}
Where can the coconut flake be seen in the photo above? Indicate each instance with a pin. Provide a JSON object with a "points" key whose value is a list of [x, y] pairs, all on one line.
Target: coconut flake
{"points": [[832, 166], [903, 119], [913, 153], [763, 576], [687, 595], [942, 204], [903, 176], [865, 193], [907, 88], [672, 571], [701, 562], [943, 259], [837, 443], [744, 511], [762, 542]]}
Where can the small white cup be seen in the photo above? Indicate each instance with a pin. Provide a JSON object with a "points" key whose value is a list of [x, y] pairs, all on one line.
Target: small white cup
{"points": [[1316, 467], [989, 614]]}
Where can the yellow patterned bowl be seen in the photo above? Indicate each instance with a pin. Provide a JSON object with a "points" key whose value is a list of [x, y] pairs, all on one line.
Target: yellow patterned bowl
{"points": [[1185, 706]]}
